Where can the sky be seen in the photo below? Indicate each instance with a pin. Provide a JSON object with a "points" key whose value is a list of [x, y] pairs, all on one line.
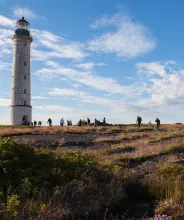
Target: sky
{"points": [[113, 59]]}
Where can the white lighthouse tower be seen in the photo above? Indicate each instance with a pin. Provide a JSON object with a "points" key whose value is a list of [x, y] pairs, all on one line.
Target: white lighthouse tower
{"points": [[21, 109]]}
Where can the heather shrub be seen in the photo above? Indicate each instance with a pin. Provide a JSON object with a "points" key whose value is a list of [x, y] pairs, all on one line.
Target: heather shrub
{"points": [[62, 182]]}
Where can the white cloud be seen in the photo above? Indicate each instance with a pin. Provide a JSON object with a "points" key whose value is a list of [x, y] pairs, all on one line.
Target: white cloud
{"points": [[46, 36], [88, 66], [91, 79], [55, 108], [55, 47], [24, 12], [165, 83], [100, 64], [45, 46], [155, 68], [115, 105], [39, 97], [4, 102], [5, 48], [5, 66], [129, 39], [65, 92], [6, 22]]}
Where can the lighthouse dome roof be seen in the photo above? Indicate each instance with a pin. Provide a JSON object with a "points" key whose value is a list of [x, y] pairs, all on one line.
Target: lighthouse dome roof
{"points": [[22, 20]]}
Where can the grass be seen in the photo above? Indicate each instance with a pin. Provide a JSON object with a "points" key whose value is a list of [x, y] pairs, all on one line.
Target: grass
{"points": [[121, 137], [54, 180], [166, 185], [126, 173], [167, 136]]}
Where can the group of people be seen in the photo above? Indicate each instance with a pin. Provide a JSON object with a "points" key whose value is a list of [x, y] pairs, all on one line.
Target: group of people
{"points": [[139, 120], [99, 123], [40, 123], [62, 122], [35, 123], [96, 122], [32, 123]]}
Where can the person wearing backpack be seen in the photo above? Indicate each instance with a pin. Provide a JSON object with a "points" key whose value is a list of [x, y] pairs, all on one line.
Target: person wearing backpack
{"points": [[139, 120], [158, 123]]}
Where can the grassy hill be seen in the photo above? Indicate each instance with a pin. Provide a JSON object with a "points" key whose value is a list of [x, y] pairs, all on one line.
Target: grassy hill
{"points": [[114, 172]]}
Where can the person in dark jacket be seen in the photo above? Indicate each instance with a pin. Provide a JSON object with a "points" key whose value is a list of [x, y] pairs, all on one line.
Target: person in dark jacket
{"points": [[139, 120], [158, 123], [40, 123], [88, 121], [80, 122], [104, 121], [96, 122], [50, 122]]}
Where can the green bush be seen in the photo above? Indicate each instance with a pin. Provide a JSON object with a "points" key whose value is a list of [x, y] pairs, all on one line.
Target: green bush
{"points": [[84, 122]]}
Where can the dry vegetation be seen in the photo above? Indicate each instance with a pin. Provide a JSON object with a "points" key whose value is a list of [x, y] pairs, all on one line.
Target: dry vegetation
{"points": [[115, 172]]}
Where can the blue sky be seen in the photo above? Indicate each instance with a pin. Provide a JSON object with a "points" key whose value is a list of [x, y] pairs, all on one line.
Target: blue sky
{"points": [[113, 59]]}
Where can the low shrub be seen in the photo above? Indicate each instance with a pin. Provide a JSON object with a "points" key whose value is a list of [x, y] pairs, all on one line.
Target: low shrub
{"points": [[67, 181]]}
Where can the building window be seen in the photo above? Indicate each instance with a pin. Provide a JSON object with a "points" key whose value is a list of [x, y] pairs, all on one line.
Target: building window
{"points": [[24, 91], [25, 44], [24, 76], [24, 102], [24, 63]]}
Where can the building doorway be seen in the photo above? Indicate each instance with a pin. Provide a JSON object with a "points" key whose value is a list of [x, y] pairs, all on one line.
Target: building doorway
{"points": [[25, 120]]}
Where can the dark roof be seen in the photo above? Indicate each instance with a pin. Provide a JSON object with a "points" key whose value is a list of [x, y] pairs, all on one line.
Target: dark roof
{"points": [[22, 20]]}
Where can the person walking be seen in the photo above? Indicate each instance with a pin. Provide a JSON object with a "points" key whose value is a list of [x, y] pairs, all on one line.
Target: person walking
{"points": [[158, 123], [80, 123], [40, 123], [62, 122], [95, 122], [139, 120], [104, 121], [88, 121], [50, 122]]}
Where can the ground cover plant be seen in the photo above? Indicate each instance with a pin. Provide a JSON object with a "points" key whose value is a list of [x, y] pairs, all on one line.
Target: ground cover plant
{"points": [[114, 172]]}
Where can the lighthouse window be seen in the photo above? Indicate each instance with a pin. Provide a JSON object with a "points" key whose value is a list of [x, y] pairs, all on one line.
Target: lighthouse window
{"points": [[24, 102], [25, 44], [24, 91], [24, 63], [24, 76]]}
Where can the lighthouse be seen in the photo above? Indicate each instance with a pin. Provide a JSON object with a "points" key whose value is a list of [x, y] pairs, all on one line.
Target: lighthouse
{"points": [[21, 109]]}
